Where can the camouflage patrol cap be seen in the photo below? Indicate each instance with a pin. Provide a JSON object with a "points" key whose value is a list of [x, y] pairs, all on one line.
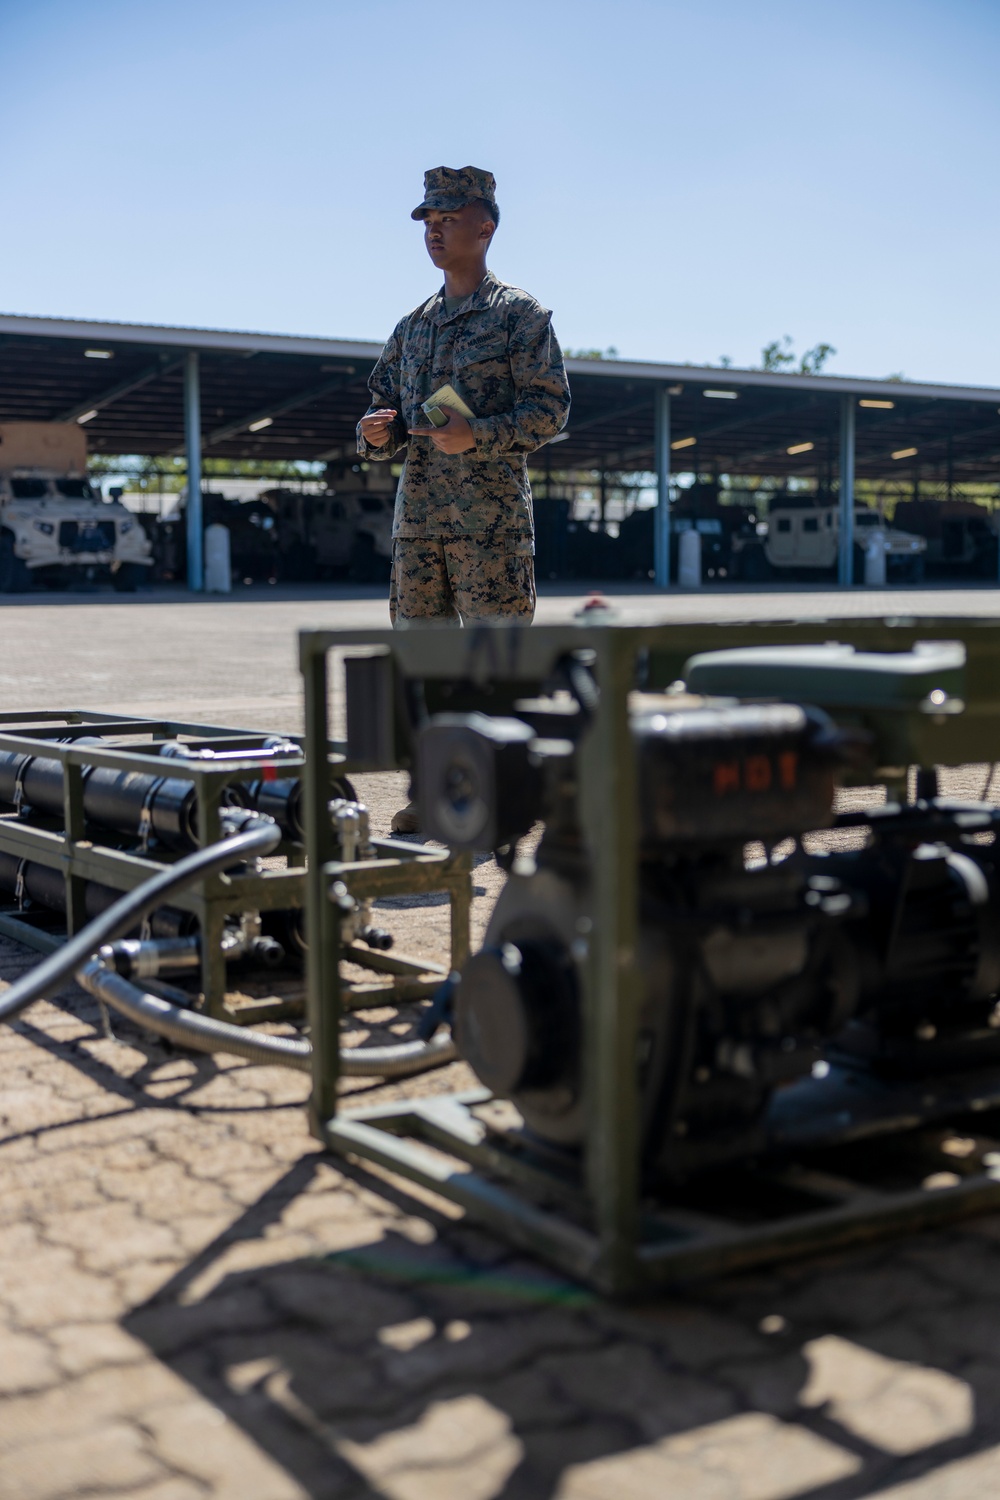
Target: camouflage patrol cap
{"points": [[453, 187]]}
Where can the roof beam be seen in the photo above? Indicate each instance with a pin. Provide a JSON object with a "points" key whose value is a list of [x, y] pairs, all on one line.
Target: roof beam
{"points": [[279, 408], [868, 455], [124, 388], [750, 420], [608, 416]]}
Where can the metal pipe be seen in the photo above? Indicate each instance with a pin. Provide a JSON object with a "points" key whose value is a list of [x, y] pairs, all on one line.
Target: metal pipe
{"points": [[192, 444], [130, 802], [30, 881], [845, 549], [661, 534], [136, 958]]}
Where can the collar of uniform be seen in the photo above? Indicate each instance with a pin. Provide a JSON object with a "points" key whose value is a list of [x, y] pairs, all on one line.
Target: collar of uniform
{"points": [[480, 298]]}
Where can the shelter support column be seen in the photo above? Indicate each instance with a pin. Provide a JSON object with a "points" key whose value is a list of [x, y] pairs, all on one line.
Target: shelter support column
{"points": [[661, 535], [845, 558], [192, 443]]}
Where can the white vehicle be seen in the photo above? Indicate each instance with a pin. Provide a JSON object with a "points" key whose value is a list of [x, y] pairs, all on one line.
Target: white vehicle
{"points": [[806, 539], [53, 523]]}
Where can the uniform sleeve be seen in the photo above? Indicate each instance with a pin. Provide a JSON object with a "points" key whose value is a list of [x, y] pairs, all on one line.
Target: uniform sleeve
{"points": [[383, 384], [541, 392]]}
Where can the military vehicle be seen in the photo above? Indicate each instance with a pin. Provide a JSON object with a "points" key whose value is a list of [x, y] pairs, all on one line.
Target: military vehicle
{"points": [[253, 541], [961, 536], [292, 536], [335, 534], [697, 508], [343, 532], [54, 526], [801, 541]]}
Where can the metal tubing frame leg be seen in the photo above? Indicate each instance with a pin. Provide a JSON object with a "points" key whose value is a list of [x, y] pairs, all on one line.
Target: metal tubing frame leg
{"points": [[845, 546], [661, 516], [192, 444], [323, 997]]}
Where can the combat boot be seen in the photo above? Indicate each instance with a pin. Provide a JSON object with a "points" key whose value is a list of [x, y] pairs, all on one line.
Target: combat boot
{"points": [[407, 820]]}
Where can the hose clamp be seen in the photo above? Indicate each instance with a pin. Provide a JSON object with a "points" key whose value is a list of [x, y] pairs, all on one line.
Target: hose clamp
{"points": [[146, 814], [22, 771], [19, 884]]}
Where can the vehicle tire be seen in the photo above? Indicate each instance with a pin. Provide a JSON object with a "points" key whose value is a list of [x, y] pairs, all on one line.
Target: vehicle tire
{"points": [[126, 579], [754, 566], [15, 575]]}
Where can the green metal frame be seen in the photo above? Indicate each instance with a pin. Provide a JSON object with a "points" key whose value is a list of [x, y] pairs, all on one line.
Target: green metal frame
{"points": [[397, 868], [75, 851], [594, 1225]]}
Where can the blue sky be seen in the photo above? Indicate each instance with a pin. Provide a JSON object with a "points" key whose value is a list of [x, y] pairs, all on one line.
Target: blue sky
{"points": [[681, 181]]}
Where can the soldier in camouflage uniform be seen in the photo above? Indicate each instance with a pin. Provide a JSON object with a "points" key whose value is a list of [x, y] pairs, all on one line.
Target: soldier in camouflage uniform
{"points": [[463, 536]]}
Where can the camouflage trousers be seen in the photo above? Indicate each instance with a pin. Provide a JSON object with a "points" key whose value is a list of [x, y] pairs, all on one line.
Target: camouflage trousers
{"points": [[457, 579]]}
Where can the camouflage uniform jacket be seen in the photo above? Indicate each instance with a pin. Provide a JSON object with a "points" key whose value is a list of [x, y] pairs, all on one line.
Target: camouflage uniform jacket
{"points": [[499, 352]]}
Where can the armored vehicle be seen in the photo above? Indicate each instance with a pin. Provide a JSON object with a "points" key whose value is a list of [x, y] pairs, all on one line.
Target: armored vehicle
{"points": [[54, 526], [961, 536], [341, 532], [801, 541]]}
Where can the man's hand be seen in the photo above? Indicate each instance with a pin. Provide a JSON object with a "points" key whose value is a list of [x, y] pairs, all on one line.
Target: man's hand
{"points": [[454, 437], [375, 427]]}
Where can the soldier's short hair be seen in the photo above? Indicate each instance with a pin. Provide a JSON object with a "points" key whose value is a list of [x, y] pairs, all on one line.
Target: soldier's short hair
{"points": [[490, 210]]}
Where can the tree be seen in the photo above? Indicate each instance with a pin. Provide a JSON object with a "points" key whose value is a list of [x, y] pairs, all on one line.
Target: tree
{"points": [[779, 355], [610, 353], [815, 358]]}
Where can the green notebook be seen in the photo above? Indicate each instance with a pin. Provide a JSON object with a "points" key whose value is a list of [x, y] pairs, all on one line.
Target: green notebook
{"points": [[446, 399]]}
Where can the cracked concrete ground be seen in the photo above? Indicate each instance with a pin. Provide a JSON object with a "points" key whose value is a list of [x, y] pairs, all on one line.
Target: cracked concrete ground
{"points": [[196, 1303]]}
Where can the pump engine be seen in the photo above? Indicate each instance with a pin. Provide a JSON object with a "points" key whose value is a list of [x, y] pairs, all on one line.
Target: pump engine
{"points": [[753, 972]]}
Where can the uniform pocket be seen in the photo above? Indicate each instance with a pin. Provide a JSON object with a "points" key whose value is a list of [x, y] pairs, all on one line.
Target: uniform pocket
{"points": [[482, 376], [489, 349], [518, 546]]}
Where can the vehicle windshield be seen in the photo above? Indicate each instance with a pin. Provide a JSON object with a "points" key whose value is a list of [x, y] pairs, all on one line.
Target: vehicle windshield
{"points": [[29, 489], [75, 489]]}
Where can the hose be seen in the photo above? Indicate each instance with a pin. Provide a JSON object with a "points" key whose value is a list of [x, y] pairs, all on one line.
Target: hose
{"points": [[402, 1060], [191, 1029], [188, 1027], [257, 837]]}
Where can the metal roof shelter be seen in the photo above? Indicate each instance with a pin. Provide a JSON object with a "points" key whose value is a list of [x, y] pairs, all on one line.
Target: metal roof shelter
{"points": [[204, 392]]}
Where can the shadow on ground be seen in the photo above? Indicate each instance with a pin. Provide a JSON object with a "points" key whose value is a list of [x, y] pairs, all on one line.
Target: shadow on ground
{"points": [[431, 1363]]}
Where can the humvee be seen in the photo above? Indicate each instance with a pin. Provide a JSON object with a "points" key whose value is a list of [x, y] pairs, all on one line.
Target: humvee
{"points": [[802, 541]]}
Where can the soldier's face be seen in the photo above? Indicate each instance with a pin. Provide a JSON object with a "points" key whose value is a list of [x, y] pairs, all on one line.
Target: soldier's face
{"points": [[456, 237]]}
